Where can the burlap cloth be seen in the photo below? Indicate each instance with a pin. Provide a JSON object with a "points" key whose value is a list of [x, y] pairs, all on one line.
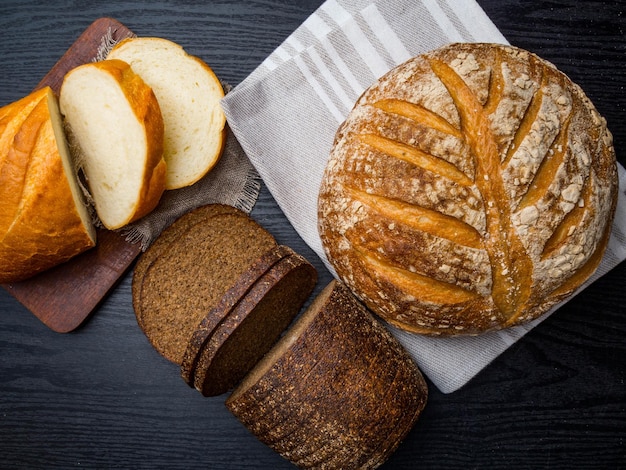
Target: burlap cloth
{"points": [[233, 181]]}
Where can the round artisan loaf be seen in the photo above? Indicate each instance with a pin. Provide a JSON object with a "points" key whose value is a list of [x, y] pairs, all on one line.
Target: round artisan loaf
{"points": [[189, 94], [114, 120], [470, 189], [337, 390], [44, 219]]}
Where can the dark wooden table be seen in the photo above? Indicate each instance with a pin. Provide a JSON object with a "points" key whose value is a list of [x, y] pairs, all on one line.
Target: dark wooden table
{"points": [[101, 397]]}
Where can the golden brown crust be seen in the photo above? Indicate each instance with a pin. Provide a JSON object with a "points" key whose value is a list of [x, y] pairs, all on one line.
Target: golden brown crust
{"points": [[470, 189], [337, 391], [40, 226], [18, 148], [12, 117]]}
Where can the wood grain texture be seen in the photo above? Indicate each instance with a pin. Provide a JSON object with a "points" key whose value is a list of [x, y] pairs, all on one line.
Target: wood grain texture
{"points": [[101, 397]]}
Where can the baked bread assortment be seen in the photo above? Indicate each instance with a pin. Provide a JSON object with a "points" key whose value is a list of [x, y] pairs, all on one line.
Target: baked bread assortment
{"points": [[115, 120], [214, 293], [337, 391], [470, 189], [189, 94], [44, 219]]}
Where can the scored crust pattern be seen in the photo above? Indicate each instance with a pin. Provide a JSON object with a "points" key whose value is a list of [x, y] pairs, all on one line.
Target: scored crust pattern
{"points": [[469, 189]]}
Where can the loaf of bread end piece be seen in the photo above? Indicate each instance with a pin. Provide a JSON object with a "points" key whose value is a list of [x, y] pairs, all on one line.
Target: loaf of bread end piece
{"points": [[470, 189], [337, 390], [189, 94], [114, 122], [44, 220], [191, 273]]}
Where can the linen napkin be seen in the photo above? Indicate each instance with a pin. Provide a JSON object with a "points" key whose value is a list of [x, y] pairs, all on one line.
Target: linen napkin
{"points": [[285, 115]]}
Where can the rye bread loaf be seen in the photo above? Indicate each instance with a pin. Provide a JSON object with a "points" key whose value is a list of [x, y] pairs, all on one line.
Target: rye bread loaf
{"points": [[229, 300], [470, 189], [337, 390], [44, 219], [252, 327], [114, 121], [192, 273]]}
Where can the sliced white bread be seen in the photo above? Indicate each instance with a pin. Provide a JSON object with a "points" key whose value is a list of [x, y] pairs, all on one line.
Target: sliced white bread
{"points": [[44, 219], [114, 119], [189, 94]]}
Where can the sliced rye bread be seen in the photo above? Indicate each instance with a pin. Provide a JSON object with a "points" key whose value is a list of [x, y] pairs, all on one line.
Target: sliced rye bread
{"points": [[229, 300], [167, 236], [190, 276], [336, 391], [254, 325]]}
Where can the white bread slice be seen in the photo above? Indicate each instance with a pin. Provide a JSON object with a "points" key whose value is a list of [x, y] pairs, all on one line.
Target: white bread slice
{"points": [[189, 94], [44, 219], [114, 119]]}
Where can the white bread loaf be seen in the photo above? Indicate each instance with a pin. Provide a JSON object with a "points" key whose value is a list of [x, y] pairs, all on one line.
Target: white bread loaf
{"points": [[470, 189], [189, 94], [44, 219], [114, 119]]}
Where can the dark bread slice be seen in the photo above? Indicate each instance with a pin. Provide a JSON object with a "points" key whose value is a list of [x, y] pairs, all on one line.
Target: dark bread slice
{"points": [[337, 390], [229, 300], [177, 228], [191, 275], [254, 325]]}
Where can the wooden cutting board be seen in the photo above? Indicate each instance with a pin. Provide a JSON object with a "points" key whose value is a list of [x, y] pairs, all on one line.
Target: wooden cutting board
{"points": [[63, 297]]}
